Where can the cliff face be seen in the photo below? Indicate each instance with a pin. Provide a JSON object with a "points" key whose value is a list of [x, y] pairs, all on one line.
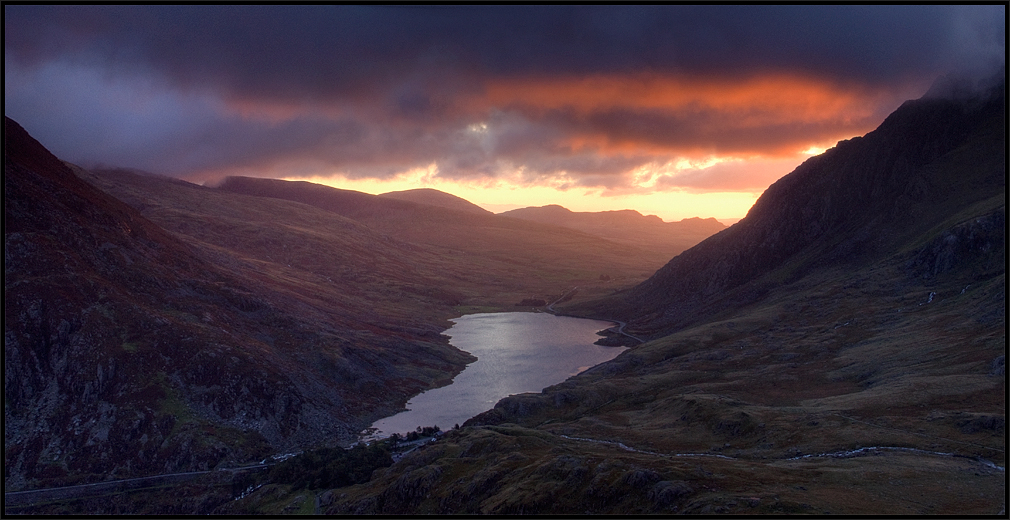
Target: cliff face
{"points": [[127, 352], [864, 198], [82, 278]]}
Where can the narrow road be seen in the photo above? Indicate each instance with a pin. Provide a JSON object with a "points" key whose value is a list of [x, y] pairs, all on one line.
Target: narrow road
{"points": [[550, 308], [620, 324], [33, 496], [842, 454], [620, 330]]}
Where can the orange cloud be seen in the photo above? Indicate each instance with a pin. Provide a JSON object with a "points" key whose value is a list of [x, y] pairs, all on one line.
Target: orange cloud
{"points": [[789, 97], [797, 109]]}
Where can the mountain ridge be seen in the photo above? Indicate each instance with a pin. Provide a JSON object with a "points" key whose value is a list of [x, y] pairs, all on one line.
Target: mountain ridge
{"points": [[790, 218], [509, 240], [625, 226]]}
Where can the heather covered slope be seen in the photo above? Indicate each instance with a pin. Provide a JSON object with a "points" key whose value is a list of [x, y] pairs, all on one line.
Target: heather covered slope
{"points": [[129, 352], [510, 255], [842, 351], [626, 226]]}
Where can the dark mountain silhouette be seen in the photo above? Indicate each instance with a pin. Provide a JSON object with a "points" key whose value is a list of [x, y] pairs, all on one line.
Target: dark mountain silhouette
{"points": [[434, 197], [860, 201], [625, 226]]}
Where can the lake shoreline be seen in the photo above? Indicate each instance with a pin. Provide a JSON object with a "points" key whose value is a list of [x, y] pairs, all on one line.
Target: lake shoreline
{"points": [[517, 352]]}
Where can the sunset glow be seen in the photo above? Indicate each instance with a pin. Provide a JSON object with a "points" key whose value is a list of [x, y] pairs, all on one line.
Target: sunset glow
{"points": [[760, 100], [674, 111], [671, 206]]}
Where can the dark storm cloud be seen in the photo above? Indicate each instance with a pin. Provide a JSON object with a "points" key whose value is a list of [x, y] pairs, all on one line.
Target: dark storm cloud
{"points": [[370, 91], [320, 51]]}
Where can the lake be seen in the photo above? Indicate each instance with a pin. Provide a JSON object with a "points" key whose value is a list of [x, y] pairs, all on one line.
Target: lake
{"points": [[516, 352]]}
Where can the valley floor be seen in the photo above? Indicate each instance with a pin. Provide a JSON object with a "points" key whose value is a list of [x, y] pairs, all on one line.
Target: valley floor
{"points": [[842, 394]]}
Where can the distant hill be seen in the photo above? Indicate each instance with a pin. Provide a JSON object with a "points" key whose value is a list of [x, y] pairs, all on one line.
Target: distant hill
{"points": [[625, 226], [562, 257], [438, 198]]}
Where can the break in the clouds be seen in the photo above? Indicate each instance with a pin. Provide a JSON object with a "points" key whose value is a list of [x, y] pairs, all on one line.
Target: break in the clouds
{"points": [[615, 97]]}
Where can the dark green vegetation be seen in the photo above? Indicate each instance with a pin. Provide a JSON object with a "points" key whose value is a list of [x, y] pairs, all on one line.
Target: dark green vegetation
{"points": [[331, 467], [841, 349]]}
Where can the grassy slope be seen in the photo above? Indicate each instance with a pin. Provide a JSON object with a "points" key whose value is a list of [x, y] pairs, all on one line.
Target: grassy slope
{"points": [[403, 258]]}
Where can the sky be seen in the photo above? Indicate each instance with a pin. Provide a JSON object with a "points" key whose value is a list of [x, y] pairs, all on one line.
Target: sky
{"points": [[678, 111]]}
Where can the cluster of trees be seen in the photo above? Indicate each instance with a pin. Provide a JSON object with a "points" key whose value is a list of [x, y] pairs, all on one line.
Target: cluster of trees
{"points": [[337, 467], [420, 432], [332, 467]]}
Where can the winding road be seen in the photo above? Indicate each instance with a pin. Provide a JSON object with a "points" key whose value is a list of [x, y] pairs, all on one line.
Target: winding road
{"points": [[620, 324], [842, 454]]}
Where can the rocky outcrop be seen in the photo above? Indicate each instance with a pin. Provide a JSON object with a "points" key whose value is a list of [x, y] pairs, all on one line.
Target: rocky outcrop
{"points": [[979, 243]]}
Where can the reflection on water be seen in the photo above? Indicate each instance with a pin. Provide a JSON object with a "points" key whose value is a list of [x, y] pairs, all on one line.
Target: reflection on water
{"points": [[516, 352]]}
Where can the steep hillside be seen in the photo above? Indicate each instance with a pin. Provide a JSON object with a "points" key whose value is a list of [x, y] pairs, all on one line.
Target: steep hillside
{"points": [[866, 198], [513, 258], [841, 350], [437, 198], [626, 226], [129, 352]]}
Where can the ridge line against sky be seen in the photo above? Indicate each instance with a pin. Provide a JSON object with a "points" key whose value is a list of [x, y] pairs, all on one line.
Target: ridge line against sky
{"points": [[678, 111]]}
